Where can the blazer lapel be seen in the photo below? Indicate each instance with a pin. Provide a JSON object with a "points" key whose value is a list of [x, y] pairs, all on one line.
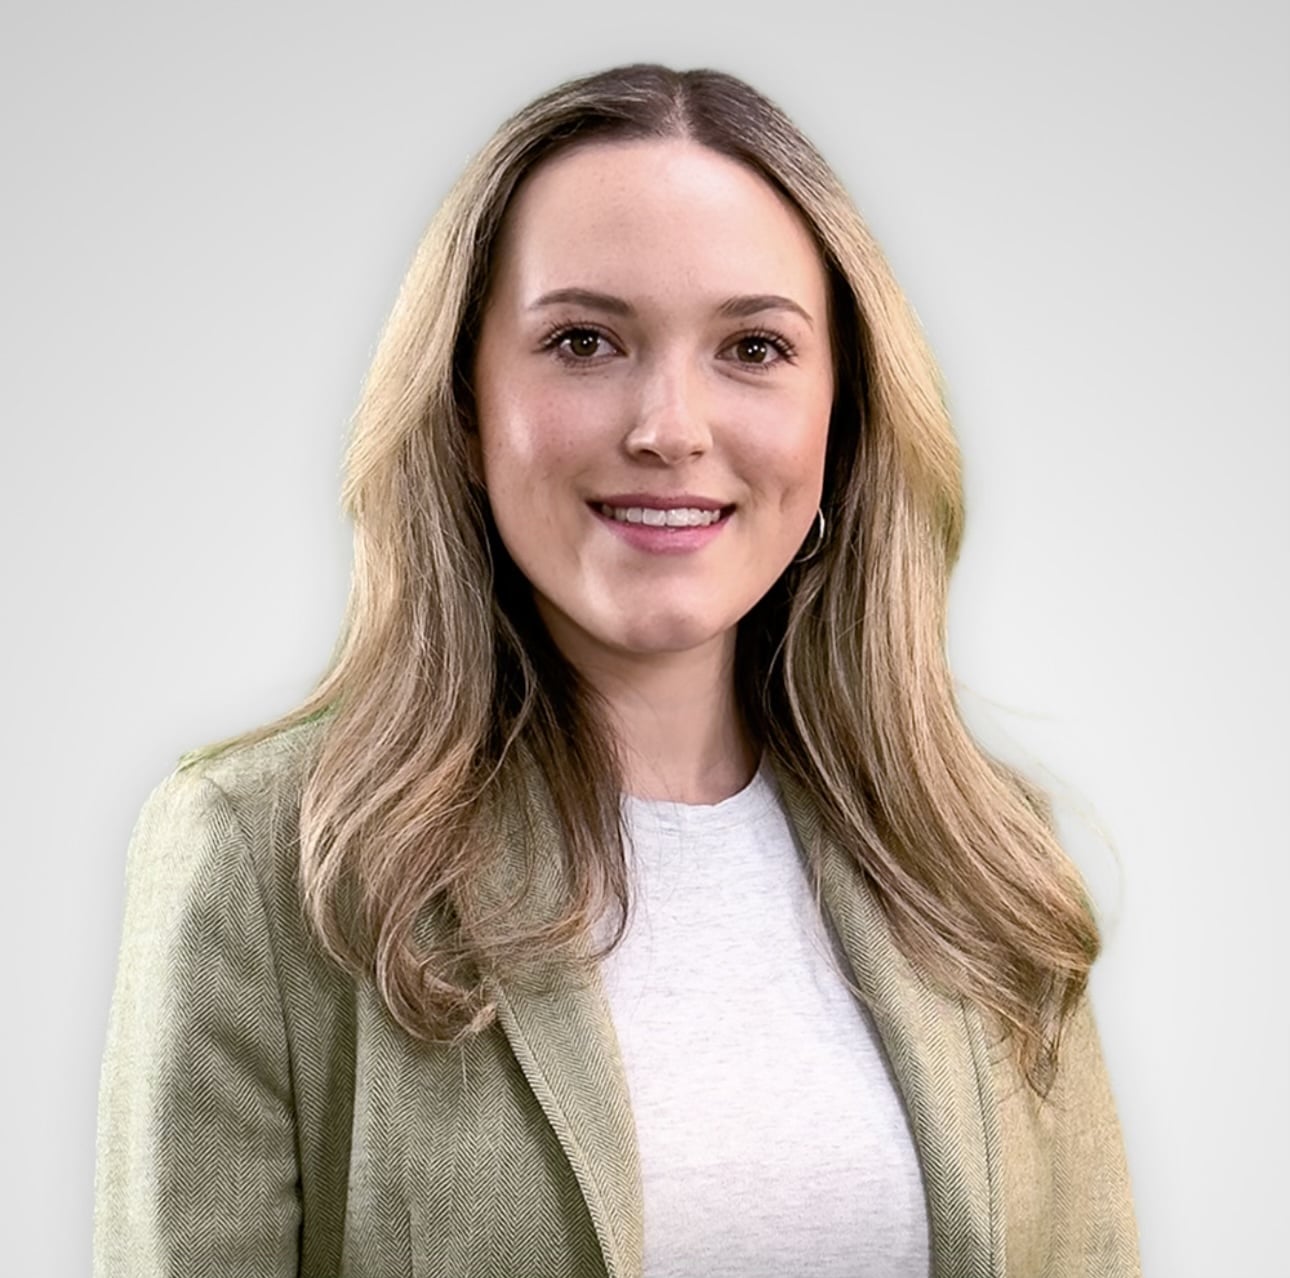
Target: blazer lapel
{"points": [[938, 1050], [560, 1028]]}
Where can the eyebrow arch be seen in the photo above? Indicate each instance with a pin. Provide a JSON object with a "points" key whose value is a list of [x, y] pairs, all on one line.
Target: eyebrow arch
{"points": [[733, 307]]}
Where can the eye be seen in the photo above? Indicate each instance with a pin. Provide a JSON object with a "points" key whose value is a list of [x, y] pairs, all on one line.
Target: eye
{"points": [[758, 345], [581, 340]]}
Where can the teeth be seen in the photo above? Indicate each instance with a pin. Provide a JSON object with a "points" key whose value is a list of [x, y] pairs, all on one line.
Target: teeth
{"points": [[685, 517]]}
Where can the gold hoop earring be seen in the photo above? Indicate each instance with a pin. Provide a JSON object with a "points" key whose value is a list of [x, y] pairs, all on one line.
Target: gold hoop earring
{"points": [[819, 540]]}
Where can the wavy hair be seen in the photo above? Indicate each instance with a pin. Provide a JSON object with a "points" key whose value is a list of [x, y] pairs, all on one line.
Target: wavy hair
{"points": [[841, 667]]}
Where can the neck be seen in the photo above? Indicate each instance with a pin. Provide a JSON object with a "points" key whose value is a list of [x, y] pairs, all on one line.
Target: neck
{"points": [[676, 719]]}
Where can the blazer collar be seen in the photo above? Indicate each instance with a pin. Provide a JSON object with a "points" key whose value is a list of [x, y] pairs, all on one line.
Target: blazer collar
{"points": [[560, 1029]]}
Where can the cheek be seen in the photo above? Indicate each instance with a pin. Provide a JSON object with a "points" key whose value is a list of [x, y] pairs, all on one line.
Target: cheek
{"points": [[784, 456], [528, 438], [537, 450]]}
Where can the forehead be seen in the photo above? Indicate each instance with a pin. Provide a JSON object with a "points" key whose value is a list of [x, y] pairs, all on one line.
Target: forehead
{"points": [[656, 219]]}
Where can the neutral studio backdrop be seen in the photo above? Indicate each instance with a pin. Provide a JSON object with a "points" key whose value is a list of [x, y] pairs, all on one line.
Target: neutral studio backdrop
{"points": [[207, 213]]}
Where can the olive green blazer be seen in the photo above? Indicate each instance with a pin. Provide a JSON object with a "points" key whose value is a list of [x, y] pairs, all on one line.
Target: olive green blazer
{"points": [[262, 1115]]}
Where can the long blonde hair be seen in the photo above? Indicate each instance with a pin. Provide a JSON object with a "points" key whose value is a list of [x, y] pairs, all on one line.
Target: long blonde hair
{"points": [[842, 666]]}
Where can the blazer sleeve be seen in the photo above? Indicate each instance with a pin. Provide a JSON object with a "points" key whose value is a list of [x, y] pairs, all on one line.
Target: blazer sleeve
{"points": [[1070, 1207], [1095, 1227], [197, 1170]]}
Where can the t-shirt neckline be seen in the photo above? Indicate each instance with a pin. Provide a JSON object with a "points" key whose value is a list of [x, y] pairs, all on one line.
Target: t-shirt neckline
{"points": [[754, 801]]}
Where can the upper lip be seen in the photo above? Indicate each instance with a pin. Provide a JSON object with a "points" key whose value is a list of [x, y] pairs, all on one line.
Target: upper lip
{"points": [[659, 501]]}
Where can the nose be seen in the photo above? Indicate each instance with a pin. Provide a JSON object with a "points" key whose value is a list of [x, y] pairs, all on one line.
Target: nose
{"points": [[670, 422]]}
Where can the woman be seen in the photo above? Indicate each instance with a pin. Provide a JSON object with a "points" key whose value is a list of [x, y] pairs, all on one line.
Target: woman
{"points": [[629, 897]]}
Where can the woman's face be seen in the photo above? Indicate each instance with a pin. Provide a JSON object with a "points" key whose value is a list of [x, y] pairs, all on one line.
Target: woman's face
{"points": [[654, 355]]}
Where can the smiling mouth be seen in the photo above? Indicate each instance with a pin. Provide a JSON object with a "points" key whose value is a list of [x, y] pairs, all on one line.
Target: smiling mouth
{"points": [[654, 517]]}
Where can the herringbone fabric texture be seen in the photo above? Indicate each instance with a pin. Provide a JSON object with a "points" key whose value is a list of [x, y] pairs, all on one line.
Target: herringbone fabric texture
{"points": [[261, 1115]]}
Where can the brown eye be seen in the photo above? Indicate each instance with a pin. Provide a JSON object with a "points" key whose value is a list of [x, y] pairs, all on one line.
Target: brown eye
{"points": [[575, 344], [763, 350], [583, 342]]}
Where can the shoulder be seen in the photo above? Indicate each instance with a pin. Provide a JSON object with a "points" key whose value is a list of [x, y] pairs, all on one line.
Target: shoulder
{"points": [[259, 781], [236, 811], [216, 852], [230, 823]]}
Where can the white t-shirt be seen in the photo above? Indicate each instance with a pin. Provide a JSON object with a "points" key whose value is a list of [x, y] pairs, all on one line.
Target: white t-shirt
{"points": [[773, 1140]]}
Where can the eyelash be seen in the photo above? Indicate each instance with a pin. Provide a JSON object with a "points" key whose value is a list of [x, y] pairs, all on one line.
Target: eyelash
{"points": [[556, 334]]}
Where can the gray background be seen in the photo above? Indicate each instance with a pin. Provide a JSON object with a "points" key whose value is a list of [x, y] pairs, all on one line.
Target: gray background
{"points": [[207, 213]]}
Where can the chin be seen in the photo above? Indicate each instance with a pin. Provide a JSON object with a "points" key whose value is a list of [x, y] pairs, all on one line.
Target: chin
{"points": [[663, 633]]}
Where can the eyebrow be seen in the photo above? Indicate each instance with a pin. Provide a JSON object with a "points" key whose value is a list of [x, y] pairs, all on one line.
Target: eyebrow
{"points": [[732, 308]]}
